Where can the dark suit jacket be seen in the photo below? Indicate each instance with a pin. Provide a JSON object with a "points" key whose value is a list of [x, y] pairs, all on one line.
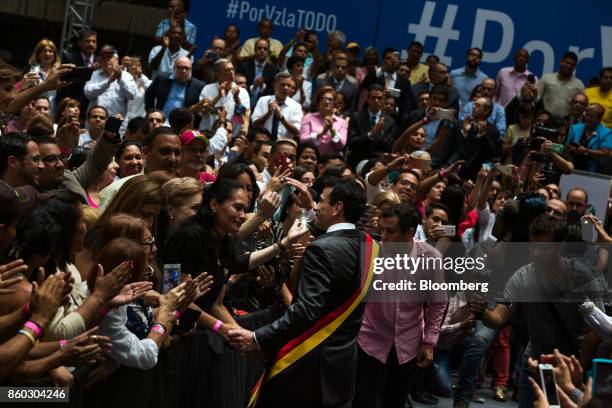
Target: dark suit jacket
{"points": [[362, 146], [407, 101], [452, 102], [329, 275], [247, 68], [478, 150], [349, 89], [75, 90], [157, 93]]}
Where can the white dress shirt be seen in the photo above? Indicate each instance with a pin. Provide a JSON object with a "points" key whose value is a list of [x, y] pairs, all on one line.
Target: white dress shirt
{"points": [[136, 107], [210, 92], [112, 95], [290, 109], [128, 350], [307, 89], [341, 226]]}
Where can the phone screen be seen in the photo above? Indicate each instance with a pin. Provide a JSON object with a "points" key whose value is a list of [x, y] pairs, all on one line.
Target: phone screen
{"points": [[548, 380], [281, 162], [172, 276], [603, 377]]}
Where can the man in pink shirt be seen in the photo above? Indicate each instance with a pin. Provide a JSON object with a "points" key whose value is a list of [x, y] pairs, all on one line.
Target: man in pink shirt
{"points": [[510, 80], [397, 336]]}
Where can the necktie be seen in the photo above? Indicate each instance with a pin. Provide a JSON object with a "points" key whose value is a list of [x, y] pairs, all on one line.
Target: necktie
{"points": [[372, 121], [275, 123], [258, 74]]}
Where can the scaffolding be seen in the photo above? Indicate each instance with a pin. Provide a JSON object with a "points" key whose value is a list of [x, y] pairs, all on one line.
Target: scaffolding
{"points": [[78, 17]]}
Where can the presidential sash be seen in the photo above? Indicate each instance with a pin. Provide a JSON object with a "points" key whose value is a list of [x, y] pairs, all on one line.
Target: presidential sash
{"points": [[298, 347]]}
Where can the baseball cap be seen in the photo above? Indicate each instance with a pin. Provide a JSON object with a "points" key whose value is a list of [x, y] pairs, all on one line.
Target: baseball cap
{"points": [[189, 136], [353, 45]]}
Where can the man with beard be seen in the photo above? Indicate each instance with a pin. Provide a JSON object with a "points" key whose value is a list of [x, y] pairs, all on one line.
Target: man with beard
{"points": [[312, 347], [20, 162], [162, 151], [466, 78], [195, 151]]}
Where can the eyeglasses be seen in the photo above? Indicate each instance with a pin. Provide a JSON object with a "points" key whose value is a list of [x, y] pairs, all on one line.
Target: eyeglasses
{"points": [[149, 242], [406, 183], [327, 99], [50, 160]]}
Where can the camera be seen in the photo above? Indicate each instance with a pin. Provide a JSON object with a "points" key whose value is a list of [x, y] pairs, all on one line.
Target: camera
{"points": [[540, 130], [213, 56]]}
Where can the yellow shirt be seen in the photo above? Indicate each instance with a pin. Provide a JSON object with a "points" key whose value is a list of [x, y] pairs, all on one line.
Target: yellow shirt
{"points": [[419, 74], [605, 100], [248, 48]]}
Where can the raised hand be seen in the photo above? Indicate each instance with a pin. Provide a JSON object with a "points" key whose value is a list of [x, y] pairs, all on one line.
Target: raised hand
{"points": [[269, 204], [45, 299], [8, 272], [130, 293], [109, 285]]}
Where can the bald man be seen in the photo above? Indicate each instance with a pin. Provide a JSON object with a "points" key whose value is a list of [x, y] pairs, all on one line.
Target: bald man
{"points": [[180, 90], [498, 115], [590, 143]]}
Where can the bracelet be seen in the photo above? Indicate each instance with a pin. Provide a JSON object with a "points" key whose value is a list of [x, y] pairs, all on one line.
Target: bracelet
{"points": [[177, 314], [217, 326], [576, 395], [442, 174], [103, 311], [34, 328], [63, 343], [159, 328], [29, 335], [26, 311], [425, 120]]}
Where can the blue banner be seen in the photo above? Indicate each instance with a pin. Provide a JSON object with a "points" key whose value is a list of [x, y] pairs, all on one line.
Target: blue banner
{"points": [[446, 28]]}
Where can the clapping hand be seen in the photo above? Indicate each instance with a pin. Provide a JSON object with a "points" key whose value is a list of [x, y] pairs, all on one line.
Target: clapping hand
{"points": [[130, 293], [8, 272]]}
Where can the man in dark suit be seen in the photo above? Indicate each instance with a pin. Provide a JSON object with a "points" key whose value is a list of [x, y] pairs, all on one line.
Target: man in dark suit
{"points": [[83, 56], [164, 93], [258, 72], [339, 79], [370, 130], [322, 369], [438, 75], [387, 78]]}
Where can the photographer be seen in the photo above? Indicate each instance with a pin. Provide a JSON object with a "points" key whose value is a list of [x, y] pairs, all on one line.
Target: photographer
{"points": [[546, 150], [204, 68]]}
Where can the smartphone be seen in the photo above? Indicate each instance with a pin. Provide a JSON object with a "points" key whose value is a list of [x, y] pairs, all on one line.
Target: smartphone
{"points": [[449, 230], [558, 148], [531, 78], [281, 161], [444, 114], [395, 92], [548, 384], [602, 375], [113, 125], [488, 166], [213, 56], [172, 276], [78, 74], [588, 230], [506, 170]]}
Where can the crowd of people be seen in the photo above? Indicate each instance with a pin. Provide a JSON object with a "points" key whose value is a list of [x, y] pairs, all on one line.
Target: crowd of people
{"points": [[150, 195]]}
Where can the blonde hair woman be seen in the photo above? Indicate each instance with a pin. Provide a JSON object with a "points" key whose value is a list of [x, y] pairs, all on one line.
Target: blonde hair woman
{"points": [[46, 57]]}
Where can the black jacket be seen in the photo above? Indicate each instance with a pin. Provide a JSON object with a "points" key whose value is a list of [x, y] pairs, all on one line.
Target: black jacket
{"points": [[76, 89], [247, 68], [478, 149], [407, 101], [157, 93], [362, 146], [330, 274], [452, 102], [452, 148], [349, 89]]}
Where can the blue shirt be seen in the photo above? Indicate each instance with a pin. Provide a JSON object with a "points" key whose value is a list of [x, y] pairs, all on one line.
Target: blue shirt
{"points": [[176, 96], [497, 118], [431, 129], [601, 140], [190, 30], [465, 83]]}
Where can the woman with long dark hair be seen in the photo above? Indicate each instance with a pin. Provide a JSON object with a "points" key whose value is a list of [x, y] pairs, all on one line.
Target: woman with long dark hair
{"points": [[205, 243]]}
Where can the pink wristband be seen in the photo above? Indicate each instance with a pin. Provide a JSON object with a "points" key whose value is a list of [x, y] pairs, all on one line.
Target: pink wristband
{"points": [[34, 328], [103, 311], [177, 314], [217, 326], [63, 343], [158, 328]]}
